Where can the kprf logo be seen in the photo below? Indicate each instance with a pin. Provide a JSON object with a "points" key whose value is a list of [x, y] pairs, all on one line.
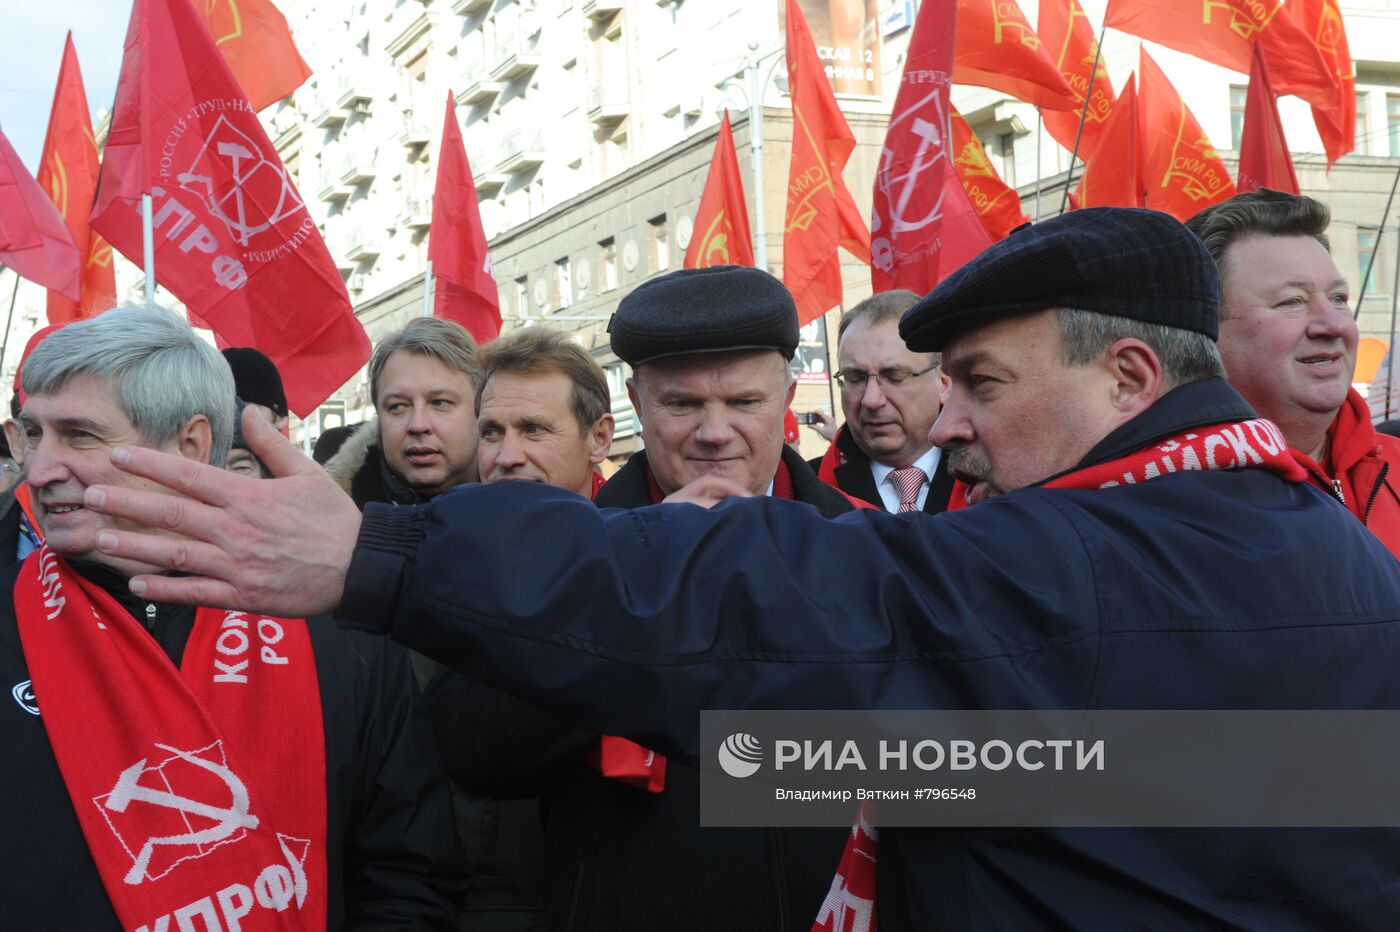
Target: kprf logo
{"points": [[740, 755]]}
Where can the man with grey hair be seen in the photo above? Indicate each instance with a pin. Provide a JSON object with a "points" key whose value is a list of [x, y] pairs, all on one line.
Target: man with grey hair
{"points": [[889, 396], [423, 383], [164, 762]]}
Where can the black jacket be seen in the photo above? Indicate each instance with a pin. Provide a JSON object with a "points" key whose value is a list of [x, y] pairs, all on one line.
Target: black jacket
{"points": [[393, 859], [855, 478], [1195, 590], [617, 857]]}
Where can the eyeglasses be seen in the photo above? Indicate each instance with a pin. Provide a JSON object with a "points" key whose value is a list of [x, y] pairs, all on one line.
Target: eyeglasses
{"points": [[855, 379]]}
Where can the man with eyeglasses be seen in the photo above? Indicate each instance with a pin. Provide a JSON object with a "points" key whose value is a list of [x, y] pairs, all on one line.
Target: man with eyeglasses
{"points": [[889, 395]]}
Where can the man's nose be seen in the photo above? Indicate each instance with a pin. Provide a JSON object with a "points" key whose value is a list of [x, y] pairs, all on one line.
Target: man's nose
{"points": [[952, 428], [715, 428]]}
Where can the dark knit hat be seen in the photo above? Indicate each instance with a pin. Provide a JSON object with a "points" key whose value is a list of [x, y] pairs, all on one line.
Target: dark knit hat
{"points": [[256, 379], [1124, 261], [713, 310]]}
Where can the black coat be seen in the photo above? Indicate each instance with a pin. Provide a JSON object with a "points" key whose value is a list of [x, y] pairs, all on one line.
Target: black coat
{"points": [[855, 478], [617, 857], [393, 859]]}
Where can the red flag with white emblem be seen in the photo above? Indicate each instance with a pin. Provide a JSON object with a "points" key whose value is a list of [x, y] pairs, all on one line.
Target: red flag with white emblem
{"points": [[233, 238], [465, 291]]}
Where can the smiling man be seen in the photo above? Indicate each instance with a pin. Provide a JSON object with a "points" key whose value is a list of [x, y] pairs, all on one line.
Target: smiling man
{"points": [[1288, 339], [163, 761]]}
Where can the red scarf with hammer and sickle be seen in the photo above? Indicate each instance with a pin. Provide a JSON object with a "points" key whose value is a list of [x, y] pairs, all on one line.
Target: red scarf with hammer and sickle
{"points": [[850, 905], [201, 791]]}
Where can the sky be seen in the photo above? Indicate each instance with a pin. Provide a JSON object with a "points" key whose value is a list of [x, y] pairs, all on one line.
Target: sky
{"points": [[31, 48]]}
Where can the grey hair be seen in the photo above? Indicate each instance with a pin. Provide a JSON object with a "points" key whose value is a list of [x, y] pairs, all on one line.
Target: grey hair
{"points": [[162, 372], [1185, 355]]}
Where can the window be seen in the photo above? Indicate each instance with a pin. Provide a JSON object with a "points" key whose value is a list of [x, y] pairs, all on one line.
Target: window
{"points": [[1392, 122], [607, 263], [1365, 250], [1238, 97], [661, 245], [522, 296], [1006, 149], [1363, 124], [564, 283]]}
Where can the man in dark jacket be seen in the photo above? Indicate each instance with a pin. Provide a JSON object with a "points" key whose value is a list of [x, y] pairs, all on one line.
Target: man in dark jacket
{"points": [[624, 845], [1288, 338], [1121, 553], [889, 396], [340, 762]]}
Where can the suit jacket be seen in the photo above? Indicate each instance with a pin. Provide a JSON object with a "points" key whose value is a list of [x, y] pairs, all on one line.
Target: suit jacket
{"points": [[855, 478]]}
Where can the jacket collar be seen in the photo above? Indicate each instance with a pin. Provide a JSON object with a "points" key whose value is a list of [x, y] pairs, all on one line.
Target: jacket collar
{"points": [[1195, 404]]}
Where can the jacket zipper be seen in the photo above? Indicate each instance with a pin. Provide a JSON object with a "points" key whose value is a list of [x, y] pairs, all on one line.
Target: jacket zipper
{"points": [[1375, 493], [1331, 485], [1337, 490]]}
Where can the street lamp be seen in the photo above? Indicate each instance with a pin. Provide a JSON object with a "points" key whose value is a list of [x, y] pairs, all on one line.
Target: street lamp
{"points": [[758, 84]]}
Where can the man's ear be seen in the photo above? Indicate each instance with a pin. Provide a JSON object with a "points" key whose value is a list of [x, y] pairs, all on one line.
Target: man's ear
{"points": [[600, 437], [195, 441], [14, 436], [1137, 376]]}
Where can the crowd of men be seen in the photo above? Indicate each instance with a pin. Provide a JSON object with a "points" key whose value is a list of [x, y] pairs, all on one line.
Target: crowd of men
{"points": [[452, 677]]}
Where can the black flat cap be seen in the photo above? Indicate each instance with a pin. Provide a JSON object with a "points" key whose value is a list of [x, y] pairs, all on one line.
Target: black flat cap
{"points": [[256, 379], [713, 310], [1123, 261]]}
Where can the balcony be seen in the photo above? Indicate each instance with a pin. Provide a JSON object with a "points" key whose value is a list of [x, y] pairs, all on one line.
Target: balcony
{"points": [[467, 7], [363, 244], [332, 188], [521, 150], [354, 93], [358, 167], [326, 112], [601, 9], [488, 180], [417, 213], [415, 130], [481, 88], [516, 56], [607, 104]]}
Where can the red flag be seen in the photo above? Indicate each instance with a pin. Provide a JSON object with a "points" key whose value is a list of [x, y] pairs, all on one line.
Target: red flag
{"points": [[1322, 19], [1113, 176], [923, 224], [821, 215], [997, 48], [465, 290], [997, 204], [1223, 31], [721, 234], [68, 174], [1183, 173], [233, 239], [257, 44], [1264, 158], [34, 240], [1065, 30]]}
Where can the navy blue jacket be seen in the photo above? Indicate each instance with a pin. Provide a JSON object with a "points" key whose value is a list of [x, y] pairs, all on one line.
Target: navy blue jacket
{"points": [[1196, 590]]}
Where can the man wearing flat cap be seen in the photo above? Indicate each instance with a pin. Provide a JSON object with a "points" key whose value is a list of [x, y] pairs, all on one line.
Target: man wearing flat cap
{"points": [[1137, 542]]}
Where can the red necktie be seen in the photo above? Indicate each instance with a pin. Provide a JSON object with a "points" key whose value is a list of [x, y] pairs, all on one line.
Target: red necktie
{"points": [[907, 482]]}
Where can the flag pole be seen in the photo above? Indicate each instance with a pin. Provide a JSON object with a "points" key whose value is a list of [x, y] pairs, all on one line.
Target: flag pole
{"points": [[14, 295], [1039, 146], [1083, 112], [148, 246], [428, 290], [1394, 304], [1385, 218]]}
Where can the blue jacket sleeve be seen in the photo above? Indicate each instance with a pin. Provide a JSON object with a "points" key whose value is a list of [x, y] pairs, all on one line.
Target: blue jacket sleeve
{"points": [[631, 622]]}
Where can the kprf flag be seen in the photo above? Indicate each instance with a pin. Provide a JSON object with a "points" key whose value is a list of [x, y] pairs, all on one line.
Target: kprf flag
{"points": [[1322, 20], [1264, 158], [465, 290], [257, 44], [1183, 173], [997, 204], [1113, 176], [233, 239], [34, 240], [1069, 40], [997, 48], [1224, 31], [922, 224], [821, 215], [721, 234]]}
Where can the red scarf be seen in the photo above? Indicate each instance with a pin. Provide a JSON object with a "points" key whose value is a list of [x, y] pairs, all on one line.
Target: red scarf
{"points": [[1255, 444], [201, 791]]}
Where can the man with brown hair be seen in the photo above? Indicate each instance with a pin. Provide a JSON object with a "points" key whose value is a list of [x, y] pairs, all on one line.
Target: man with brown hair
{"points": [[1288, 339], [543, 412], [889, 395], [423, 382]]}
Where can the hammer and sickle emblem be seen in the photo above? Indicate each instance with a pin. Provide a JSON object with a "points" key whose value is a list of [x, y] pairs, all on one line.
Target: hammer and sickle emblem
{"points": [[230, 819]]}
